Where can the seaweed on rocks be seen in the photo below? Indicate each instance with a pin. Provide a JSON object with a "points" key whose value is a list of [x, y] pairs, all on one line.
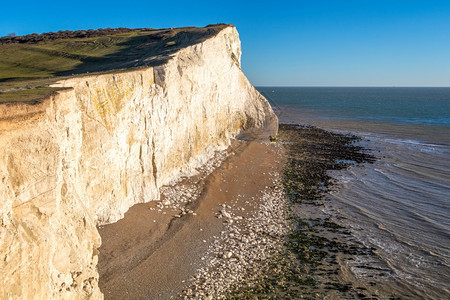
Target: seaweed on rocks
{"points": [[311, 153], [308, 266]]}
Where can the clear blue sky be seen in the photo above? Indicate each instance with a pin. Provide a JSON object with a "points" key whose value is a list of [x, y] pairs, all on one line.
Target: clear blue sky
{"points": [[293, 43]]}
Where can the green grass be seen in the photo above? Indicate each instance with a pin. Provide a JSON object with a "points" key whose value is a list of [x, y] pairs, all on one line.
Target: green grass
{"points": [[47, 59], [28, 95], [32, 67], [26, 70]]}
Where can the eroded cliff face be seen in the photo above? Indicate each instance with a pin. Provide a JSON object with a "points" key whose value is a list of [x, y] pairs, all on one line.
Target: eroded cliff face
{"points": [[84, 156]]}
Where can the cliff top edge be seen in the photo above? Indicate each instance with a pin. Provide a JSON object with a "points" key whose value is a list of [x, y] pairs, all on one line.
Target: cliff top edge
{"points": [[31, 63]]}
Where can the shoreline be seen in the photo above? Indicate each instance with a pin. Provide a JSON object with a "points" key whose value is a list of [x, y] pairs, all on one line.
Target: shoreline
{"points": [[237, 256], [430, 134]]}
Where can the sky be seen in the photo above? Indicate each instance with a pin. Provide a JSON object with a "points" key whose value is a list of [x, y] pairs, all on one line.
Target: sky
{"points": [[284, 43]]}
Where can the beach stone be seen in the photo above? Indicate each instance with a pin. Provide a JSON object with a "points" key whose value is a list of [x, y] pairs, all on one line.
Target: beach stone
{"points": [[225, 214], [243, 252]]}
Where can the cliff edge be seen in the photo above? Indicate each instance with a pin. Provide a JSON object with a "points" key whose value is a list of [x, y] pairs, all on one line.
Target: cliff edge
{"points": [[107, 141]]}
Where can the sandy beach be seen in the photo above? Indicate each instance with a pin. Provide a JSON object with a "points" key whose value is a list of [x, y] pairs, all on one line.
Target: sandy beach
{"points": [[157, 247]]}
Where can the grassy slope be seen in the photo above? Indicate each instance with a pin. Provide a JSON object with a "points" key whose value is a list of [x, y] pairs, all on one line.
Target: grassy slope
{"points": [[26, 70], [31, 67]]}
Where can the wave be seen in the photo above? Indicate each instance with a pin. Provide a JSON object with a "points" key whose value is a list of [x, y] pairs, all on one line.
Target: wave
{"points": [[419, 145], [400, 205]]}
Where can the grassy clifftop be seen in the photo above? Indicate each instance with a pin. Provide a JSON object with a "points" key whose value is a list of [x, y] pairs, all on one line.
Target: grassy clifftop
{"points": [[28, 65]]}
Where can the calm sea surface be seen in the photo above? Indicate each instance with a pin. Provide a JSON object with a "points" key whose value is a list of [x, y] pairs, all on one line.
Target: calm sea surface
{"points": [[400, 205]]}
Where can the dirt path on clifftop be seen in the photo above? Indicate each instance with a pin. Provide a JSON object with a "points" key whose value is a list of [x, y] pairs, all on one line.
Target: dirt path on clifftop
{"points": [[154, 251]]}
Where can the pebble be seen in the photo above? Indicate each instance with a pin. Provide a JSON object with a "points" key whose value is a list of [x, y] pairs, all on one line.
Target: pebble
{"points": [[246, 244], [240, 253]]}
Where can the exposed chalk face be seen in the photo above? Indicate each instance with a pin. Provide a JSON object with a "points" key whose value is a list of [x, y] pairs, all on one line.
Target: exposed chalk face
{"points": [[84, 156]]}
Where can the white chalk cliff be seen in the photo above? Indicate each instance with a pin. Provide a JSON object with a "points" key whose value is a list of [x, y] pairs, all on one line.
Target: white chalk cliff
{"points": [[85, 155]]}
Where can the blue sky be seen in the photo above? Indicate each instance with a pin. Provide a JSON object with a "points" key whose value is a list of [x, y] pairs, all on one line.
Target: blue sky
{"points": [[285, 43]]}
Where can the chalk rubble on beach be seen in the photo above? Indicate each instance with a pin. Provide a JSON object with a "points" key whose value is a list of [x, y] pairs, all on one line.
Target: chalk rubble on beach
{"points": [[243, 248]]}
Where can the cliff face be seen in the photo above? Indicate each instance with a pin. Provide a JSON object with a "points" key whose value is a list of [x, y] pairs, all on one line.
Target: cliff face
{"points": [[84, 156]]}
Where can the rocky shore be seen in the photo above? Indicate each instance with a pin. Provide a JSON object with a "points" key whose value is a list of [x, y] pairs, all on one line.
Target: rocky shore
{"points": [[254, 222], [291, 246]]}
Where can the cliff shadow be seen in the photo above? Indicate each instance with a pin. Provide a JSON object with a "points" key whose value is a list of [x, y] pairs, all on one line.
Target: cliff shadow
{"points": [[147, 49]]}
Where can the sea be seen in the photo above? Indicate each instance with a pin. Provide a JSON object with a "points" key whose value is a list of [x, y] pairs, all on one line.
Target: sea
{"points": [[399, 205]]}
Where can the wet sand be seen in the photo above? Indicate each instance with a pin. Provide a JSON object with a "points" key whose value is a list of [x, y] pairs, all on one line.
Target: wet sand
{"points": [[155, 250]]}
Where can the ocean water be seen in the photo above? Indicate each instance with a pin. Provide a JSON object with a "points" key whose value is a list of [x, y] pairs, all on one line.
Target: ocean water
{"points": [[400, 205]]}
